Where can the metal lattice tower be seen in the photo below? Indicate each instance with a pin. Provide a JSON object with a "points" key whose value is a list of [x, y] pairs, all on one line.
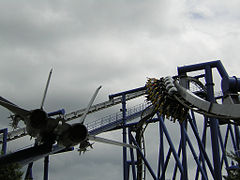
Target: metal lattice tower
{"points": [[203, 140]]}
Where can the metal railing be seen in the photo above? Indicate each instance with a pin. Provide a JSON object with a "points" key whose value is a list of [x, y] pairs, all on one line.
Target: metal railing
{"points": [[115, 117]]}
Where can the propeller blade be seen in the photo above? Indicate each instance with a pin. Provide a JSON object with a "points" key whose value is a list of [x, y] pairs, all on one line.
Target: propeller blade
{"points": [[112, 142], [46, 88], [89, 105]]}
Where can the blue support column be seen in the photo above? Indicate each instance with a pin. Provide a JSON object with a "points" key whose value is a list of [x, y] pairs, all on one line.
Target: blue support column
{"points": [[213, 126], [125, 165], [46, 166], [171, 146], [183, 125], [201, 156], [161, 152], [165, 164], [225, 141], [132, 156], [128, 167], [29, 175], [184, 175], [224, 156], [233, 138], [236, 129], [204, 173], [202, 147], [179, 153], [143, 158]]}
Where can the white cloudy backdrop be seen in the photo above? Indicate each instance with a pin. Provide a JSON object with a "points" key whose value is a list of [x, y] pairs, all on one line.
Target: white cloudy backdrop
{"points": [[113, 43]]}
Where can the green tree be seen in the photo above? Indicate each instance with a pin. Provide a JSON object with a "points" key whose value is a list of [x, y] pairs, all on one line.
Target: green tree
{"points": [[234, 173], [10, 172]]}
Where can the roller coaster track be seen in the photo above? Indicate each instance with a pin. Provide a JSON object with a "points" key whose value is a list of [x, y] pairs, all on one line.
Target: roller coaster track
{"points": [[194, 102], [163, 92], [171, 98], [184, 96]]}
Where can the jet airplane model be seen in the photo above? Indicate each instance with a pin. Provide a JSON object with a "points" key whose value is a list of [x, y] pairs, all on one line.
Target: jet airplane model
{"points": [[49, 130]]}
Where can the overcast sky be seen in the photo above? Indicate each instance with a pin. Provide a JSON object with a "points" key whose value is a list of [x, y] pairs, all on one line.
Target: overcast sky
{"points": [[116, 44]]}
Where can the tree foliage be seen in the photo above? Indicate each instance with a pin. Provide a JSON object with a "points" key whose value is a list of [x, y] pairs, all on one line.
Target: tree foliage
{"points": [[10, 172], [233, 173]]}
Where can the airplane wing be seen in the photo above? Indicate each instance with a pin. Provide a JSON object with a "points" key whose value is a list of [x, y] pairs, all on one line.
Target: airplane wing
{"points": [[112, 142], [13, 108], [28, 155]]}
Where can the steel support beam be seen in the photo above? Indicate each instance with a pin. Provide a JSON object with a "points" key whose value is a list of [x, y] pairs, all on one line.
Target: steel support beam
{"points": [[213, 64], [161, 152], [204, 165], [171, 146], [213, 125], [46, 166], [133, 164], [29, 175], [124, 131], [201, 145], [143, 158]]}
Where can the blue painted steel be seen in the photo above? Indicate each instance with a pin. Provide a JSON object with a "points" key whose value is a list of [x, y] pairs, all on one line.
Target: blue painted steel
{"points": [[126, 92], [233, 139], [183, 125], [46, 166], [236, 129], [26, 156], [132, 157], [59, 112], [222, 71], [125, 165], [179, 153], [153, 120], [161, 152], [184, 175], [224, 157], [143, 158], [128, 167], [212, 64], [204, 136], [202, 147], [210, 93], [29, 171], [213, 125], [204, 173], [230, 84], [171, 145], [202, 159], [166, 164], [114, 121], [201, 156], [225, 141]]}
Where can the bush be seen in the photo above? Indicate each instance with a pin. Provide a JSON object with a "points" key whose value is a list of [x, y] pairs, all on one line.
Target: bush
{"points": [[233, 173], [10, 172]]}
